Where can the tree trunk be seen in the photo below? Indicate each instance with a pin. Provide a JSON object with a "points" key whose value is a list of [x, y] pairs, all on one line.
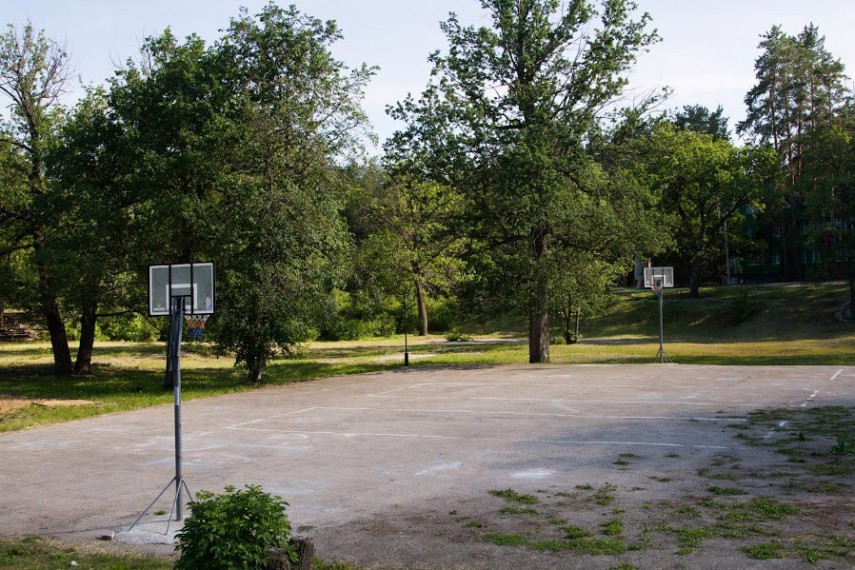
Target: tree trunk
{"points": [[694, 279], [56, 328], [538, 329], [83, 364], [422, 307], [53, 319], [538, 321], [58, 338], [256, 366], [850, 265]]}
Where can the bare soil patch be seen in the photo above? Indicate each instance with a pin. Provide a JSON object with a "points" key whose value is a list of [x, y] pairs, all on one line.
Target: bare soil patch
{"points": [[10, 403]]}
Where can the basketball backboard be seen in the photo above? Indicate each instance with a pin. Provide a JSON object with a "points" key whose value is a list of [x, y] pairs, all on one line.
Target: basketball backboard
{"points": [[658, 276], [194, 281]]}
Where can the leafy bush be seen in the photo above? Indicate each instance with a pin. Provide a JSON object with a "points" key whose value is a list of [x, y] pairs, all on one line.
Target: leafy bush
{"points": [[442, 314], [133, 328], [234, 530]]}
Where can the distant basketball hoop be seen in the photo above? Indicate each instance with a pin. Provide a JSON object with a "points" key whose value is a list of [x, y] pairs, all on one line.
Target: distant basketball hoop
{"points": [[656, 279], [663, 276]]}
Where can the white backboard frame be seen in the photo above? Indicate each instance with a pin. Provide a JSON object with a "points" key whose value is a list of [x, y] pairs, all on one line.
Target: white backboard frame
{"points": [[663, 275], [192, 280]]}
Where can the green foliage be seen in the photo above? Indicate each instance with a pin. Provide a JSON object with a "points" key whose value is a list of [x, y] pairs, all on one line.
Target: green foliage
{"points": [[704, 184], [234, 530]]}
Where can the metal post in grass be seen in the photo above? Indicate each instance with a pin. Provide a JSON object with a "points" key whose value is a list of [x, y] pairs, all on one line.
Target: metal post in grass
{"points": [[406, 325]]}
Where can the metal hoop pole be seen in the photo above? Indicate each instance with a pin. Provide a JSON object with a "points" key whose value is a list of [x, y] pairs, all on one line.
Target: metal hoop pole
{"points": [[175, 341], [661, 328]]}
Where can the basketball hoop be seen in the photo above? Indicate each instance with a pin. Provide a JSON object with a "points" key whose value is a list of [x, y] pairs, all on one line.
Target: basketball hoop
{"points": [[195, 326], [657, 288]]}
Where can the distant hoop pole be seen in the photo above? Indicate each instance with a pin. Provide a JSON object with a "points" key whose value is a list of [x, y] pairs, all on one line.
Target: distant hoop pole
{"points": [[657, 290]]}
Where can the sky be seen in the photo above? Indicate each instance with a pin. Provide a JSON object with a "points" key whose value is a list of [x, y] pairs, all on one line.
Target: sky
{"points": [[706, 55]]}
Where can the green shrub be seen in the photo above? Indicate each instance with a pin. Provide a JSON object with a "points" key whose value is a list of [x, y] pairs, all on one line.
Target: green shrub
{"points": [[234, 530], [134, 328], [442, 314]]}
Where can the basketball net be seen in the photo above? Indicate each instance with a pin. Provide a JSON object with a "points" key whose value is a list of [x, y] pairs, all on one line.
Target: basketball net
{"points": [[195, 326]]}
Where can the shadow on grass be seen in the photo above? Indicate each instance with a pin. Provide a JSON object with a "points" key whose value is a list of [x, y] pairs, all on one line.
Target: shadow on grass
{"points": [[117, 389]]}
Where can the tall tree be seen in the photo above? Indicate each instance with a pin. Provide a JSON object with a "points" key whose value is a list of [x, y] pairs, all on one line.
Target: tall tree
{"points": [[424, 218], [93, 251], [33, 73], [301, 110], [506, 125], [800, 86]]}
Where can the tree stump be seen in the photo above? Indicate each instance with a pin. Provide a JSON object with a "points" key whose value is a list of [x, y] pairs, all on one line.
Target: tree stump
{"points": [[305, 556]]}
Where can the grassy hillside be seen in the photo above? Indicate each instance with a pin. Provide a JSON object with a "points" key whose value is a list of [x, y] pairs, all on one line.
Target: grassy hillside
{"points": [[756, 313]]}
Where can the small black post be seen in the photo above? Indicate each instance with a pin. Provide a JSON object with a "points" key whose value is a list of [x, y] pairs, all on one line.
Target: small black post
{"points": [[406, 325]]}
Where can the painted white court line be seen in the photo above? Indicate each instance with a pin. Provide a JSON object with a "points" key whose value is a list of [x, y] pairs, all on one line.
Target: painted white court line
{"points": [[380, 394], [243, 425], [568, 399], [267, 419], [836, 374], [353, 434], [809, 399], [530, 414]]}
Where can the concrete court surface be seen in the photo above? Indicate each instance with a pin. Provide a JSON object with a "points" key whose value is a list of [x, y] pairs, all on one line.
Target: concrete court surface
{"points": [[372, 463]]}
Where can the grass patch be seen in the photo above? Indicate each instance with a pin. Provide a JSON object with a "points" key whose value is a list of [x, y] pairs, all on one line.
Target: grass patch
{"points": [[764, 551], [514, 497], [725, 491], [612, 528], [690, 512], [507, 539], [38, 554], [515, 510], [574, 532], [593, 546], [605, 495]]}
